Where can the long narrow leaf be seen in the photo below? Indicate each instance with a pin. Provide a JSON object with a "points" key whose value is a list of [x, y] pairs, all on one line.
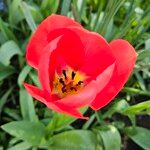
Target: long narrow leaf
{"points": [[28, 16]]}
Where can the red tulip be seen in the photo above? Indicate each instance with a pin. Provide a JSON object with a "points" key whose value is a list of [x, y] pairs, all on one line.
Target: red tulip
{"points": [[76, 67]]}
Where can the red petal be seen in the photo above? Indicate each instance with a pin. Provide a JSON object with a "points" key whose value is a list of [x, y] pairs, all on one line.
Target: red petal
{"points": [[35, 92], [88, 94], [125, 60], [43, 67], [71, 49], [40, 96], [61, 108], [98, 54], [69, 52], [40, 38]]}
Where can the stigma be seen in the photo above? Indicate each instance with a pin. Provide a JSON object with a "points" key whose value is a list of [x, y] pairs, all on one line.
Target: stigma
{"points": [[68, 82]]}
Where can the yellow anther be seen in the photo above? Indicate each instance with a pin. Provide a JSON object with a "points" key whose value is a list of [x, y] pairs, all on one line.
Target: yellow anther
{"points": [[68, 83]]}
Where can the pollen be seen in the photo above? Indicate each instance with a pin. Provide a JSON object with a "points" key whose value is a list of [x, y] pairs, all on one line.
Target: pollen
{"points": [[69, 82]]}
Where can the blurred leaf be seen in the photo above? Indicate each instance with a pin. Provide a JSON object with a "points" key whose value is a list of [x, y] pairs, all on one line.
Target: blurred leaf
{"points": [[140, 136], [29, 131], [135, 109], [140, 80], [65, 7], [147, 44], [60, 120], [23, 74], [81, 4], [4, 98], [117, 106], [6, 32], [74, 140], [75, 11], [5, 71], [110, 30], [21, 146], [143, 54], [15, 14], [132, 91], [28, 16], [13, 141], [12, 113], [7, 51], [128, 21], [36, 14], [2, 39], [49, 6], [27, 106], [33, 75], [111, 137], [88, 122], [110, 11]]}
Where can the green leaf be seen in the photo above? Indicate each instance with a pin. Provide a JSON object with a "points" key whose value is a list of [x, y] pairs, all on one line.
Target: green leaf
{"points": [[140, 80], [23, 74], [36, 14], [27, 106], [4, 98], [21, 146], [28, 16], [13, 141], [75, 11], [89, 122], [7, 51], [6, 32], [110, 11], [140, 136], [32, 132], [49, 6], [131, 90], [136, 109], [60, 120], [12, 113], [15, 14], [110, 137], [74, 140], [65, 7], [5, 71], [117, 106], [33, 75], [147, 44], [143, 54]]}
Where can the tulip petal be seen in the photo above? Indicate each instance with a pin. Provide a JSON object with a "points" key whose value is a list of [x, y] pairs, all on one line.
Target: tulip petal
{"points": [[35, 92], [98, 54], [125, 59], [88, 94], [43, 67], [40, 96], [61, 108], [69, 52], [40, 38]]}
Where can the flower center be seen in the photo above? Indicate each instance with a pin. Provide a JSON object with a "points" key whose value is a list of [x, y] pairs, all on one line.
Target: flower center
{"points": [[68, 82]]}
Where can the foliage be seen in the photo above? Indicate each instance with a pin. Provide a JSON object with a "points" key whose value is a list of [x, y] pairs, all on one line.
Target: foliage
{"points": [[33, 126]]}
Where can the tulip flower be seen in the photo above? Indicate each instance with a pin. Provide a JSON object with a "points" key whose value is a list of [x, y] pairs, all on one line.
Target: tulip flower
{"points": [[76, 67]]}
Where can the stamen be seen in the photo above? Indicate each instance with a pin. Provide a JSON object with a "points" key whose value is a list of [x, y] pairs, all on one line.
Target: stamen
{"points": [[73, 88], [69, 82], [73, 75], [61, 81], [80, 82], [64, 73], [64, 89]]}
